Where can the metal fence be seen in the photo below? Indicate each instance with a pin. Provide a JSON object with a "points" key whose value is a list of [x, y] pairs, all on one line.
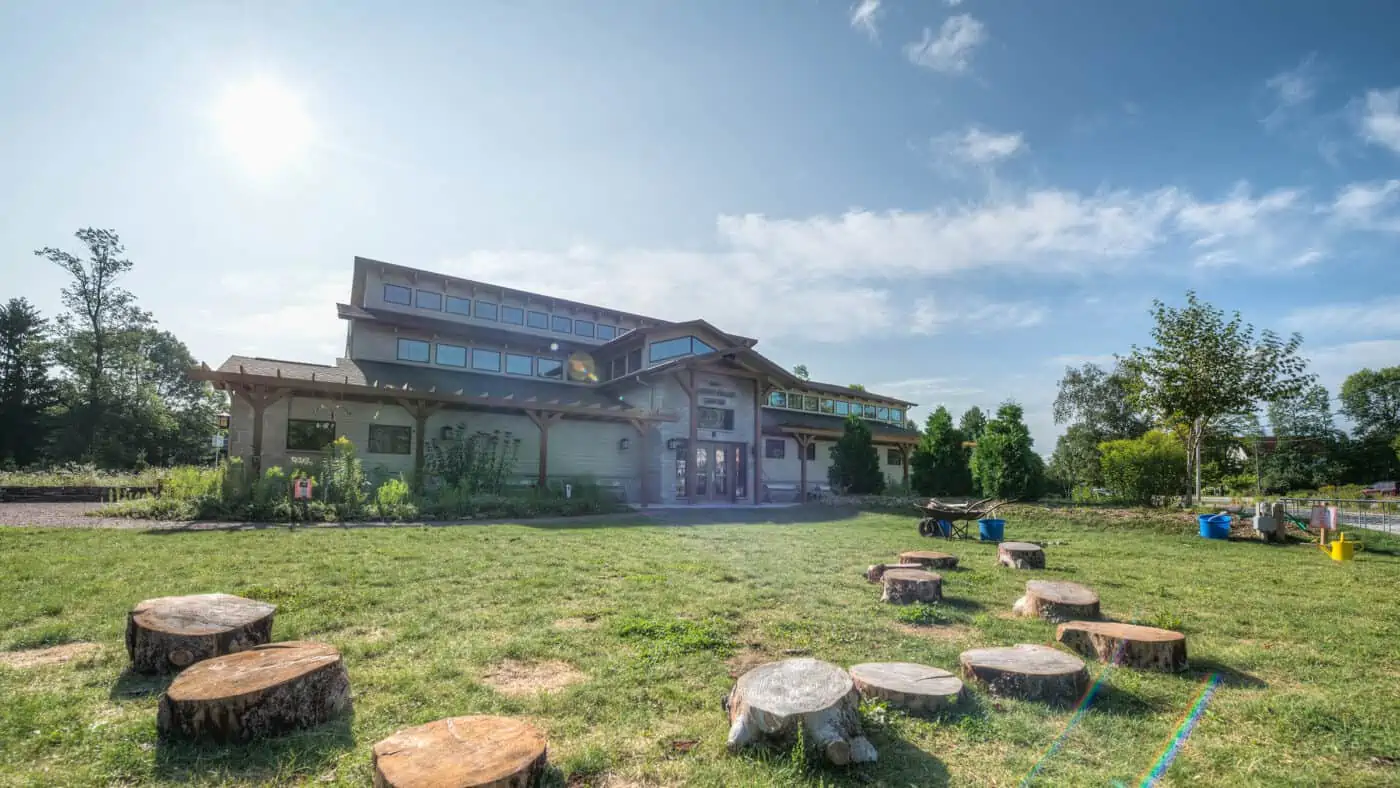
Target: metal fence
{"points": [[1376, 515]]}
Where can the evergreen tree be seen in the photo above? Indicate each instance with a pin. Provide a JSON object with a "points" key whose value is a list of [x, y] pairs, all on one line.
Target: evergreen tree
{"points": [[855, 464], [938, 465], [1004, 465], [972, 423], [25, 388]]}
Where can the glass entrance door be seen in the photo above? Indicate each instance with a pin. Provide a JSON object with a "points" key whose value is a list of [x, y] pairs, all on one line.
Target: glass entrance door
{"points": [[714, 473]]}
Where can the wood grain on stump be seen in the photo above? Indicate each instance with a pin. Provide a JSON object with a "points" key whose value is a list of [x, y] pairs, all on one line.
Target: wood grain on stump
{"points": [[1027, 672], [772, 701], [907, 586], [170, 633], [1021, 555], [259, 692], [1144, 648], [876, 573], [1056, 600], [929, 559], [907, 685], [477, 751]]}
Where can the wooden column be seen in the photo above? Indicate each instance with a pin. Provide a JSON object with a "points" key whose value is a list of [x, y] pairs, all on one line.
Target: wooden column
{"points": [[757, 442], [643, 458], [904, 460], [259, 398], [803, 441], [543, 421], [688, 386], [419, 410]]}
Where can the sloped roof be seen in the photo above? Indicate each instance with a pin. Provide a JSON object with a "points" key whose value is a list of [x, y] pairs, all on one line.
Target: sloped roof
{"points": [[774, 418]]}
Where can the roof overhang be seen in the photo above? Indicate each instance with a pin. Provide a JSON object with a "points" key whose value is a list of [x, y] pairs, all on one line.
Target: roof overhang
{"points": [[810, 432], [723, 361]]}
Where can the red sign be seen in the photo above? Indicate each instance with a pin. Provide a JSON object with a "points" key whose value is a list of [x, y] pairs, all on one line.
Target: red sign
{"points": [[301, 489]]}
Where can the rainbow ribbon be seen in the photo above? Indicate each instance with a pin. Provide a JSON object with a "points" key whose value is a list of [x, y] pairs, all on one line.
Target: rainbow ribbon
{"points": [[1183, 731]]}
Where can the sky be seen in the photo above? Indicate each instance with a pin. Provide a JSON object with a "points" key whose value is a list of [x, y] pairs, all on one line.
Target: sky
{"points": [[947, 202]]}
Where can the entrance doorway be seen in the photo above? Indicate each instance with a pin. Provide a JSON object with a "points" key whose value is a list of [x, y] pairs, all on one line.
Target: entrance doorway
{"points": [[721, 471]]}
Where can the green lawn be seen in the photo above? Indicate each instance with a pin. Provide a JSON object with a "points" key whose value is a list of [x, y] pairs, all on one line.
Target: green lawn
{"points": [[656, 618]]}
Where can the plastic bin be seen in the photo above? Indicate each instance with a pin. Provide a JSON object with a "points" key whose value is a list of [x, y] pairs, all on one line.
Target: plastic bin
{"points": [[1214, 526], [991, 529]]}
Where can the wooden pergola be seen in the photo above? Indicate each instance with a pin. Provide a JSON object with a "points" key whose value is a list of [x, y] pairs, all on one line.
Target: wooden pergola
{"points": [[804, 436], [261, 391]]}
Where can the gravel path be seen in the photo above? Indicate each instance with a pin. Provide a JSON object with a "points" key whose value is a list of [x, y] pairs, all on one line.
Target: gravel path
{"points": [[61, 515]]}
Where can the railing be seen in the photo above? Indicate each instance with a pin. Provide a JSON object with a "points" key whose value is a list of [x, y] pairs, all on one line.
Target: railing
{"points": [[1382, 514]]}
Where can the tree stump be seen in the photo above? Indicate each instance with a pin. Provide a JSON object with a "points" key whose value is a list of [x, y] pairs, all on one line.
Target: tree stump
{"points": [[877, 572], [907, 586], [929, 559], [1056, 600], [1020, 555], [1144, 648], [1027, 672], [170, 633], [259, 692], [908, 686], [479, 751], [772, 701]]}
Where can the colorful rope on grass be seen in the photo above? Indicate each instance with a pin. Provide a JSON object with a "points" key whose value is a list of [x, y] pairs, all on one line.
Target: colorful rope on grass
{"points": [[1183, 731]]}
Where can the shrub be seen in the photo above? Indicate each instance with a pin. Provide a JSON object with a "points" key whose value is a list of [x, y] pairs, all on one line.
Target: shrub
{"points": [[343, 483], [392, 500], [477, 462], [855, 464], [1003, 463], [191, 483], [1143, 470]]}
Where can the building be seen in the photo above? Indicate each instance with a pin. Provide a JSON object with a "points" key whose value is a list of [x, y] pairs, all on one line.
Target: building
{"points": [[661, 412]]}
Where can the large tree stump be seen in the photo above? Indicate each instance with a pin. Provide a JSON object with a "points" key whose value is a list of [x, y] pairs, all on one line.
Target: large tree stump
{"points": [[907, 586], [907, 685], [1056, 600], [170, 633], [1021, 555], [1144, 648], [772, 701], [929, 559], [1027, 672], [876, 573], [259, 692], [478, 751]]}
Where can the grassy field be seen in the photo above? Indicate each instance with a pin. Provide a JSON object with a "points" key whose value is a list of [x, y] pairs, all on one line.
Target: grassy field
{"points": [[650, 622]]}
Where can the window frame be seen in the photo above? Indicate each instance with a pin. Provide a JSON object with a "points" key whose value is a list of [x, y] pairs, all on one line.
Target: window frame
{"points": [[726, 418], [868, 411], [427, 350], [635, 354], [530, 318], [484, 351], [493, 307], [810, 403], [612, 332], [447, 305], [675, 342], [437, 355], [592, 328], [406, 434], [893, 457], [506, 309], [408, 294], [556, 321], [529, 359], [541, 361], [843, 408], [775, 448], [828, 406], [882, 413], [418, 300], [777, 399], [322, 447]]}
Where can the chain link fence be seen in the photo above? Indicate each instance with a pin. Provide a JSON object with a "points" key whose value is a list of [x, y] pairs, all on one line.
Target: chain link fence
{"points": [[1373, 514]]}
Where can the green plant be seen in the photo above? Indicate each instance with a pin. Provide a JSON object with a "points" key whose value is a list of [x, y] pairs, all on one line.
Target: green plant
{"points": [[478, 462], [668, 638], [1003, 464], [855, 464], [343, 483], [923, 614], [391, 500], [1144, 470]]}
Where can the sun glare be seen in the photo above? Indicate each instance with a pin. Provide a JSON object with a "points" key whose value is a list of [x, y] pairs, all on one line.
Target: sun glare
{"points": [[264, 126]]}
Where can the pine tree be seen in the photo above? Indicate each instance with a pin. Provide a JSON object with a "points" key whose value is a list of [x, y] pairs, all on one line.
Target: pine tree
{"points": [[855, 464], [25, 388], [939, 464], [1004, 465]]}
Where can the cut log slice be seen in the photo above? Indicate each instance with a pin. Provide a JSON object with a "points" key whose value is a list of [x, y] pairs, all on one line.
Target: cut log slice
{"points": [[1021, 555], [170, 633], [263, 691], [772, 701], [1027, 672], [1144, 648], [877, 572], [477, 751], [908, 686], [929, 559], [1056, 600], [907, 586]]}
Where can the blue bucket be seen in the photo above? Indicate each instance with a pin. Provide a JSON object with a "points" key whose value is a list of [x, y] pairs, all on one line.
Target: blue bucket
{"points": [[1214, 526], [943, 528], [991, 530]]}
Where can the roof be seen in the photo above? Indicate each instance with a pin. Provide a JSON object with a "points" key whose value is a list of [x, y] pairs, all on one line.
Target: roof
{"points": [[508, 337], [847, 391], [774, 420], [753, 357]]}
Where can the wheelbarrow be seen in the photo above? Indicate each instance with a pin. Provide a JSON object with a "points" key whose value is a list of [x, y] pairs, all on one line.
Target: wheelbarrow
{"points": [[948, 519]]}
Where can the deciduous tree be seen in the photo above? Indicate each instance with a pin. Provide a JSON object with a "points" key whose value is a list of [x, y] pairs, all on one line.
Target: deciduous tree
{"points": [[1004, 464], [972, 423], [938, 465]]}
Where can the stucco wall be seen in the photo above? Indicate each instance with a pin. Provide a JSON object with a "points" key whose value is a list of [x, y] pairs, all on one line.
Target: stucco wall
{"points": [[789, 471]]}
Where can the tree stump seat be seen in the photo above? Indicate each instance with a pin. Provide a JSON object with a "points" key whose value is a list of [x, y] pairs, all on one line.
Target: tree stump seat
{"points": [[876, 573], [1057, 600], [1021, 555], [917, 688], [1027, 672], [772, 701], [1130, 645], [907, 586], [929, 559], [170, 633], [480, 751], [263, 691]]}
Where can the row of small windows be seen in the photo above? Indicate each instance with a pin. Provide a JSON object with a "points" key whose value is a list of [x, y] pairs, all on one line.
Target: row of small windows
{"points": [[481, 359], [793, 400], [776, 449], [316, 435], [667, 349], [487, 310]]}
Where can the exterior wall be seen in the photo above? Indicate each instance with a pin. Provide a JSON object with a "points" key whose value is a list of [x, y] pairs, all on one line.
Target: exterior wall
{"points": [[371, 342], [788, 470], [666, 393]]}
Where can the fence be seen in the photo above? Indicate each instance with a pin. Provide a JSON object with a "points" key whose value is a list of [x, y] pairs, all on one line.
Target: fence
{"points": [[1375, 515]]}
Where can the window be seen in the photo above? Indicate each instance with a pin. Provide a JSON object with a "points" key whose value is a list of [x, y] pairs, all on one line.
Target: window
{"points": [[606, 331], [561, 324], [775, 448], [896, 415], [459, 306], [485, 310], [634, 360], [397, 294], [809, 403], [537, 320], [777, 399], [309, 435], [843, 408], [451, 355], [486, 360], [584, 328], [668, 349], [386, 439], [714, 418], [551, 368], [828, 406], [617, 368], [882, 413], [513, 315], [893, 457], [413, 350], [519, 365], [700, 347], [811, 451], [427, 299], [870, 411]]}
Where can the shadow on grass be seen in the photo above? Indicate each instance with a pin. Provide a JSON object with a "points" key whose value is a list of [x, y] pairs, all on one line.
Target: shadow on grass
{"points": [[131, 685], [307, 753], [912, 765], [1202, 669]]}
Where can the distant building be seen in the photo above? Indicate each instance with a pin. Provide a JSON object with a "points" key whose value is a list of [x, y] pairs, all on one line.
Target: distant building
{"points": [[659, 411]]}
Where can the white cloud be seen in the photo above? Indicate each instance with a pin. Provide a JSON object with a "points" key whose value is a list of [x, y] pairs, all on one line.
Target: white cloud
{"points": [[1334, 363], [1273, 229], [1296, 85], [933, 316], [1369, 206], [953, 3], [1379, 316], [1380, 119], [978, 147], [928, 387], [865, 16], [951, 50]]}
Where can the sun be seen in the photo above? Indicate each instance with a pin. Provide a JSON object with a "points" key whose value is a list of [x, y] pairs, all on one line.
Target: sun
{"points": [[263, 125]]}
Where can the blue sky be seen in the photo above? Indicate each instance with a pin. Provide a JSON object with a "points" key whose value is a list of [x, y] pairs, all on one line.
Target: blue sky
{"points": [[946, 202]]}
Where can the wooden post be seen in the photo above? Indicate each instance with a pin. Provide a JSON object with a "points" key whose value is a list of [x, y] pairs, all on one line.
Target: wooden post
{"points": [[904, 461], [419, 410], [757, 442], [259, 398], [689, 389], [802, 442], [642, 429], [543, 421]]}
